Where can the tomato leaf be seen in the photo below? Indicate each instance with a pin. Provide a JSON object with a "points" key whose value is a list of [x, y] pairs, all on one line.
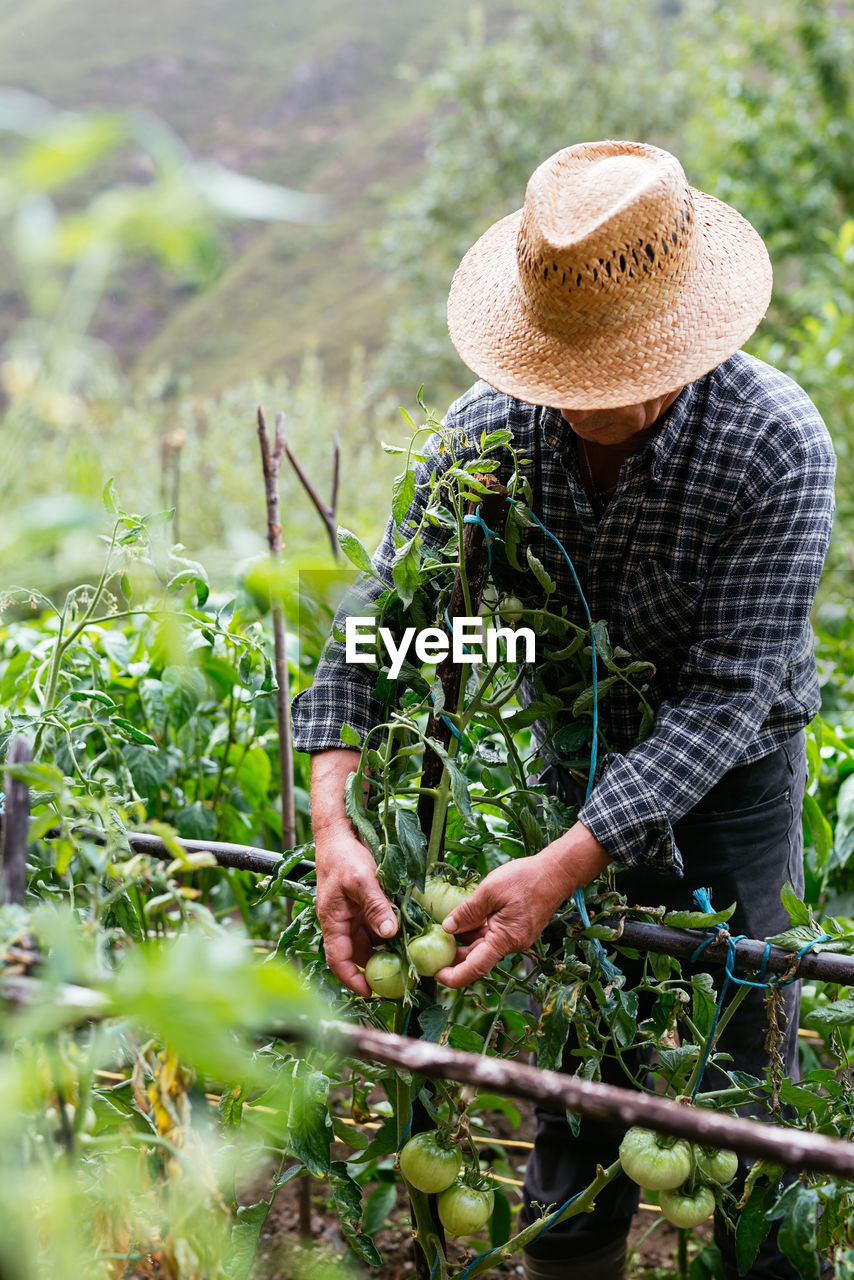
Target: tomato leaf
{"points": [[308, 1132], [354, 550], [402, 495], [698, 919], [798, 1207], [354, 806]]}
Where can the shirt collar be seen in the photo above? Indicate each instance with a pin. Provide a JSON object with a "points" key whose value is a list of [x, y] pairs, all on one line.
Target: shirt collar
{"points": [[558, 434]]}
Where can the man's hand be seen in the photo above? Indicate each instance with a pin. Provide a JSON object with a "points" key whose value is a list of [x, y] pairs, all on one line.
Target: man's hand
{"points": [[352, 909], [511, 907]]}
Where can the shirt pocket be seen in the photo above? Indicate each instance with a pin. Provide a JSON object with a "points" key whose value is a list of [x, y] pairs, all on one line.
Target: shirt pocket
{"points": [[658, 614]]}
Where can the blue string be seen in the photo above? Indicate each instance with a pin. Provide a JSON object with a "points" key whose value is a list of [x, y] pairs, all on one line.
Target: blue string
{"points": [[488, 534], [703, 899]]}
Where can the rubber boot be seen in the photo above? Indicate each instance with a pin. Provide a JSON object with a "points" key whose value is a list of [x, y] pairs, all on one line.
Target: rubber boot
{"points": [[607, 1263]]}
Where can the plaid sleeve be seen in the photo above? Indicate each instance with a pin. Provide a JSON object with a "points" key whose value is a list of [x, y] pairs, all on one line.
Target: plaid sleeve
{"points": [[751, 630], [344, 693]]}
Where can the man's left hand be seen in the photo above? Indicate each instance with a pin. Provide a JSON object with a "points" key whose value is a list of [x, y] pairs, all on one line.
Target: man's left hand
{"points": [[510, 908]]}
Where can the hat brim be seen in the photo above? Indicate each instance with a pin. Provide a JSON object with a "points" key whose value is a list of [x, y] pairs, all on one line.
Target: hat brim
{"points": [[717, 307]]}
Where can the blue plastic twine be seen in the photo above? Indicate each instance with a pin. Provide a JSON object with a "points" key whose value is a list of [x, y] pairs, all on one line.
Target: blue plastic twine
{"points": [[703, 899]]}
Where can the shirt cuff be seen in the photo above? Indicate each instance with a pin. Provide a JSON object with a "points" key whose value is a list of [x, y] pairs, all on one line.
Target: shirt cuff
{"points": [[626, 817], [318, 714]]}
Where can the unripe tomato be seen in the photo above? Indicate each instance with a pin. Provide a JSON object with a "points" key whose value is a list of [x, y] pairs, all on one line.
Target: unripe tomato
{"points": [[463, 1210], [511, 609], [716, 1165], [429, 1165], [386, 975], [432, 950], [654, 1160], [685, 1208], [440, 897]]}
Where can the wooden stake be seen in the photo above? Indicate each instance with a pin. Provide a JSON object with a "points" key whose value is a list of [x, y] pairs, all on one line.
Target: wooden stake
{"points": [[271, 460], [16, 822]]}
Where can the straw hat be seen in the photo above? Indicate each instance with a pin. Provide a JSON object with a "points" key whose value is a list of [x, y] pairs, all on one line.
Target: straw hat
{"points": [[616, 283]]}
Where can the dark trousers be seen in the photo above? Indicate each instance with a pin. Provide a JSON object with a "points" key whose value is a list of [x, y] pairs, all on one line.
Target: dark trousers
{"points": [[743, 841]]}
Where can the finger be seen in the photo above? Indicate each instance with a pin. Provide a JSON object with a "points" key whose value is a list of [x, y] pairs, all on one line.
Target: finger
{"points": [[352, 977], [378, 912], [472, 913], [481, 958]]}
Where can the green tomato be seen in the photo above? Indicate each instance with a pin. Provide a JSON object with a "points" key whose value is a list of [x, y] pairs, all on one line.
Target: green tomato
{"points": [[386, 975], [716, 1165], [427, 1164], [654, 1160], [511, 609], [464, 1210], [440, 897], [686, 1208], [432, 950]]}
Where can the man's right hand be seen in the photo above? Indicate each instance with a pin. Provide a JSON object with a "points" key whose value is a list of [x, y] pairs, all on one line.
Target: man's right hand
{"points": [[353, 911]]}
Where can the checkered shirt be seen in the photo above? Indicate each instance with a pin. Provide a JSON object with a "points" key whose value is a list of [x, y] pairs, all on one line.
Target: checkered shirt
{"points": [[706, 562]]}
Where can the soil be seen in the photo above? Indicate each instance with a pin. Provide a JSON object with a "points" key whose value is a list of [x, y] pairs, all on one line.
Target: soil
{"points": [[281, 1256]]}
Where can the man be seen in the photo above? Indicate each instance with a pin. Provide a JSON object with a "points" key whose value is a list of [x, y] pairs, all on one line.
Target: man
{"points": [[693, 488]]}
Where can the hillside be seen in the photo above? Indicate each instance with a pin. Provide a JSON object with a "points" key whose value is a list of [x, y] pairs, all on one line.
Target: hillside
{"points": [[321, 97]]}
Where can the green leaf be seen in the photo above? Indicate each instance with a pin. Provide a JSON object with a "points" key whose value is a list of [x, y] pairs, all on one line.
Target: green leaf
{"points": [[414, 845], [795, 939], [378, 1207], [819, 830], [536, 567], [183, 690], [584, 702], [153, 704], [402, 495], [354, 806], [838, 1013], [355, 552], [148, 768], [349, 736], [406, 568], [698, 919], [196, 822], [347, 1196], [230, 1108], [465, 1038], [513, 534], [798, 1208], [244, 1239], [17, 664], [117, 647], [110, 498], [44, 777], [603, 644], [138, 735], [799, 912], [499, 1223], [308, 1130], [555, 1022]]}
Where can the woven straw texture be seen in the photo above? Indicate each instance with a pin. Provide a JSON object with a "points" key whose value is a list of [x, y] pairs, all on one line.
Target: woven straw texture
{"points": [[616, 283]]}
